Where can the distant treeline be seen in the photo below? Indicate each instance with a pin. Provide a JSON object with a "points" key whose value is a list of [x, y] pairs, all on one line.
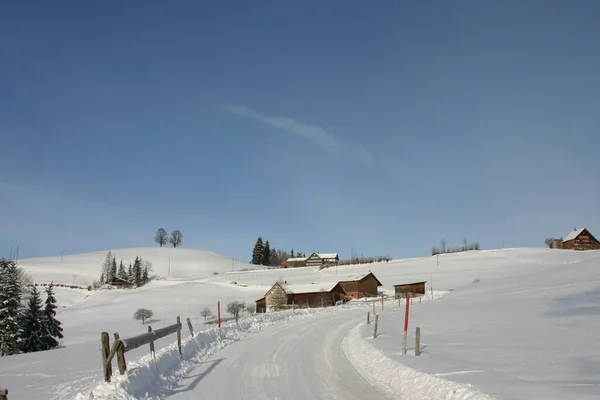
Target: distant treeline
{"points": [[443, 249], [364, 260]]}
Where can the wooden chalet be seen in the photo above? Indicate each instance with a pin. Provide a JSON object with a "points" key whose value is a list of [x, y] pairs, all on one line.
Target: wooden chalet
{"points": [[121, 283], [322, 260], [359, 286], [282, 296], [580, 239], [412, 289]]}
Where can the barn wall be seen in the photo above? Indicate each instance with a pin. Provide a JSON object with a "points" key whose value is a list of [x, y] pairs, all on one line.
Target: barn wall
{"points": [[313, 261], [368, 287], [276, 298]]}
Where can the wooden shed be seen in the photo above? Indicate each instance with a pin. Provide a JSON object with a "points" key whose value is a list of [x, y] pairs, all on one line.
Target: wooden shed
{"points": [[121, 283], [283, 296], [359, 286], [295, 262], [580, 239], [417, 288]]}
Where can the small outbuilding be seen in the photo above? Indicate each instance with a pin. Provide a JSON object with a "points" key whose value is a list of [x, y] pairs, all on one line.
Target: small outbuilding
{"points": [[417, 288], [282, 296], [295, 262], [121, 283], [359, 286], [322, 260], [580, 239]]}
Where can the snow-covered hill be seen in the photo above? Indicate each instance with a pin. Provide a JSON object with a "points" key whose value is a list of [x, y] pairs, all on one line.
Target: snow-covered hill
{"points": [[174, 264], [192, 284]]}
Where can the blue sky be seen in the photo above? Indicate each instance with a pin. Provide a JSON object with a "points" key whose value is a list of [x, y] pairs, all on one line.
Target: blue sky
{"points": [[322, 126]]}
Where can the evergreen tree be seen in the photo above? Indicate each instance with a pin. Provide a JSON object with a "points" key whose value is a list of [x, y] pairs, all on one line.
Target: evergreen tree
{"points": [[102, 278], [267, 254], [137, 271], [258, 252], [52, 326], [10, 305], [106, 265], [292, 253], [122, 274], [145, 275], [32, 335], [113, 270], [130, 275]]}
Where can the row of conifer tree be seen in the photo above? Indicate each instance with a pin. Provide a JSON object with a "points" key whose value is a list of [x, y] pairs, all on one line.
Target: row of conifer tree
{"points": [[25, 328], [137, 273]]}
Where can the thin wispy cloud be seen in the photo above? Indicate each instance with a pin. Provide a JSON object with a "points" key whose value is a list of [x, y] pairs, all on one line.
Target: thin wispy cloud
{"points": [[315, 134]]}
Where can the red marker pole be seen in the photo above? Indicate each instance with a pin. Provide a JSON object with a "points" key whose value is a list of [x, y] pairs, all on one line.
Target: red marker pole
{"points": [[219, 313], [404, 337]]}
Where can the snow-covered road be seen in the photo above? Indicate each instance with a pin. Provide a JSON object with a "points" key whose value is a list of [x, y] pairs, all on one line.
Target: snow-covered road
{"points": [[297, 360]]}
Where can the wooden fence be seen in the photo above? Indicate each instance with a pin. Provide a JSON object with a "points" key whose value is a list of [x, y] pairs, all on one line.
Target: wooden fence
{"points": [[3, 394], [122, 346]]}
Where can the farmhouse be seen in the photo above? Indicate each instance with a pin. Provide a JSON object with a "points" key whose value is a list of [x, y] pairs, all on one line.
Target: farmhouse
{"points": [[359, 286], [283, 296], [120, 283], [295, 262], [409, 288], [580, 239], [322, 260]]}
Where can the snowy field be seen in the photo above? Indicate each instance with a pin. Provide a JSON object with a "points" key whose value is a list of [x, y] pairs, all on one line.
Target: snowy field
{"points": [[515, 323]]}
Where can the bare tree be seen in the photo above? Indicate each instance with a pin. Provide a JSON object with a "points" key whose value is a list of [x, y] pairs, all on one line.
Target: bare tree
{"points": [[250, 308], [548, 242], [443, 249], [205, 313], [142, 314], [234, 308], [161, 237], [176, 238]]}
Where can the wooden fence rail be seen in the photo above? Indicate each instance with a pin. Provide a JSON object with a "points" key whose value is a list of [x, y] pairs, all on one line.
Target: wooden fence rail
{"points": [[122, 346], [3, 394]]}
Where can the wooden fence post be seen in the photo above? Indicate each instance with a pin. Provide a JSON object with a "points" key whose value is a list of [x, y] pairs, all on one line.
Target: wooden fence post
{"points": [[3, 394], [107, 367], [179, 334], [121, 356], [368, 321], [152, 351], [190, 327], [418, 342], [375, 330]]}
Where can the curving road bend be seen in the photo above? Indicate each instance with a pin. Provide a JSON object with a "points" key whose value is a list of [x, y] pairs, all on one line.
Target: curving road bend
{"points": [[296, 360]]}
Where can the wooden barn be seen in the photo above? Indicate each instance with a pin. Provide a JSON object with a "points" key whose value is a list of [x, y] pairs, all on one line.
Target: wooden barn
{"points": [[322, 260], [295, 262], [359, 286], [580, 239], [283, 296], [121, 283], [417, 288]]}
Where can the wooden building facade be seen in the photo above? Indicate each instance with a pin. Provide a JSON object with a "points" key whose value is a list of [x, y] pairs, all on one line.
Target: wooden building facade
{"points": [[121, 283], [282, 296], [412, 289], [295, 262], [322, 260], [361, 286], [580, 239]]}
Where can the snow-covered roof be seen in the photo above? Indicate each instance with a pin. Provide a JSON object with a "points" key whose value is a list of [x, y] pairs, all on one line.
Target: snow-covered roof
{"points": [[573, 234], [309, 288], [297, 259], [355, 277], [327, 255]]}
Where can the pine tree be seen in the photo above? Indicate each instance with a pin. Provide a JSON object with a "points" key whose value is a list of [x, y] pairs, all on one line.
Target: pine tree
{"points": [[267, 254], [145, 276], [32, 335], [130, 275], [292, 253], [258, 252], [102, 278], [137, 271], [51, 326], [10, 305], [122, 274], [106, 265], [113, 269]]}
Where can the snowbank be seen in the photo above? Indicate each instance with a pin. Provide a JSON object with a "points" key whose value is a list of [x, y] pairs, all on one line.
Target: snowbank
{"points": [[148, 378], [399, 380]]}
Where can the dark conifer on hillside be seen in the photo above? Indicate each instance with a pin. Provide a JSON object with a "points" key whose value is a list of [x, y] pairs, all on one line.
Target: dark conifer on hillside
{"points": [[145, 277], [10, 307], [122, 274], [137, 272], [113, 269], [32, 332], [130, 275], [51, 326], [258, 252], [267, 254]]}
